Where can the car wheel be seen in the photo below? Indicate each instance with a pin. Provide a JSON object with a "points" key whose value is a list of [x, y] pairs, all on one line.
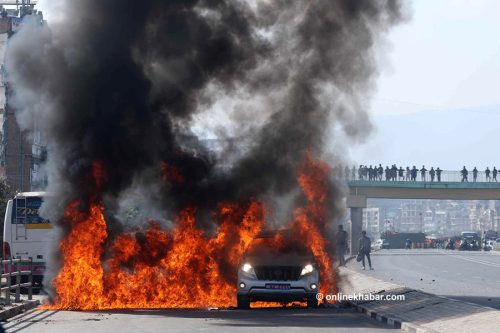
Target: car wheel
{"points": [[312, 302], [243, 303]]}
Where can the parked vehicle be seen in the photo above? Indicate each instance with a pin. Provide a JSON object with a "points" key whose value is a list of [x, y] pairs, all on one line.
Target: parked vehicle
{"points": [[386, 244], [488, 246], [27, 235], [377, 245], [470, 241]]}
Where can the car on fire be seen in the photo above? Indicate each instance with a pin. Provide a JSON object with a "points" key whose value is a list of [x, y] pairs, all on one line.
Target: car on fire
{"points": [[273, 273]]}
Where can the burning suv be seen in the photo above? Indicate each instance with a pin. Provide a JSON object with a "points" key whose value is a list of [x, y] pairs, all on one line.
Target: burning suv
{"points": [[274, 271]]}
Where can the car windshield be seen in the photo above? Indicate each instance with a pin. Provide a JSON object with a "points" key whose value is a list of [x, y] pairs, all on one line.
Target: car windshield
{"points": [[277, 242]]}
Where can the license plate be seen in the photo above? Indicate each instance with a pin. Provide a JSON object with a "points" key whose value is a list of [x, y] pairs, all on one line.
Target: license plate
{"points": [[278, 286]]}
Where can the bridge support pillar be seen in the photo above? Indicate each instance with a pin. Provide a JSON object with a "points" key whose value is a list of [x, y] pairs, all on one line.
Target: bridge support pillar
{"points": [[356, 203], [356, 228]]}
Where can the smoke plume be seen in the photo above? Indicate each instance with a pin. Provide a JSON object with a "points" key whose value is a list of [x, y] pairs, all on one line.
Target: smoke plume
{"points": [[126, 83]]}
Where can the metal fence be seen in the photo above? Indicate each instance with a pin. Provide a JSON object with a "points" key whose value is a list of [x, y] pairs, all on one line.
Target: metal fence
{"points": [[446, 176], [7, 286]]}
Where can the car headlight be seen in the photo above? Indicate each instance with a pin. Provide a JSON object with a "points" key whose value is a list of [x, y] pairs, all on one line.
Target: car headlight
{"points": [[307, 269], [248, 271], [246, 268]]}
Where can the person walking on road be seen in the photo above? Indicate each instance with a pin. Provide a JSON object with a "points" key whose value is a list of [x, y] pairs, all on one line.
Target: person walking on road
{"points": [[487, 173], [341, 239], [365, 247], [438, 174], [464, 173], [474, 174]]}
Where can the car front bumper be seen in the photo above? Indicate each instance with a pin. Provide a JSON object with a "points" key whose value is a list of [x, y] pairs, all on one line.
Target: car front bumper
{"points": [[256, 290]]}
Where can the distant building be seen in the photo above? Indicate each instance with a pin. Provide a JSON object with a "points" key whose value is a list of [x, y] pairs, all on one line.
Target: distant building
{"points": [[429, 223], [371, 222], [22, 154], [411, 216]]}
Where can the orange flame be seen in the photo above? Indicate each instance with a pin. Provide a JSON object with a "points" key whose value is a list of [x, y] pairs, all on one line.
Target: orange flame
{"points": [[183, 267]]}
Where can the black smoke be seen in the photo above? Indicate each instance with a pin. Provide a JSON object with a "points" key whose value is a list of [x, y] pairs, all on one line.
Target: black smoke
{"points": [[122, 82]]}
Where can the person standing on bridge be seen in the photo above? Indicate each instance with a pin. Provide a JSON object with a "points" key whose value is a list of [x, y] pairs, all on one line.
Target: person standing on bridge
{"points": [[408, 172], [438, 174], [495, 172], [341, 239], [365, 247], [380, 172], [353, 173], [432, 172], [422, 173], [414, 174], [401, 174], [474, 174], [487, 172], [464, 173]]}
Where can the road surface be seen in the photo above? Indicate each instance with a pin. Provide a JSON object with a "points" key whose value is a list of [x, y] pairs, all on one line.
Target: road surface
{"points": [[467, 276], [179, 321]]}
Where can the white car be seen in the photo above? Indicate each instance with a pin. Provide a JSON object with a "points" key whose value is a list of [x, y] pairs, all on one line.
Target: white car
{"points": [[489, 245], [277, 277], [377, 245]]}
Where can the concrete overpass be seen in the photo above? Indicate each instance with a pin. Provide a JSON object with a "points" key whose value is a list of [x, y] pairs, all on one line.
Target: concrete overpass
{"points": [[361, 190]]}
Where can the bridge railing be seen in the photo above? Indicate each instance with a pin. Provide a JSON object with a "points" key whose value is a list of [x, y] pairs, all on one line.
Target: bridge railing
{"points": [[446, 176], [12, 269]]}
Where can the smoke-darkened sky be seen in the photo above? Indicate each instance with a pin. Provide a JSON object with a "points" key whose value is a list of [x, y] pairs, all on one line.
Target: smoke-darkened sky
{"points": [[124, 83]]}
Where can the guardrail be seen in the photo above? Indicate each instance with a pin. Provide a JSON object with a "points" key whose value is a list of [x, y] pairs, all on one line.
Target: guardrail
{"points": [[17, 273], [446, 176]]}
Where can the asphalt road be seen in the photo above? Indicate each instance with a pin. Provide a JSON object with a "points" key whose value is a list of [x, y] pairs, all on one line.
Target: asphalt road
{"points": [[179, 321], [467, 276]]}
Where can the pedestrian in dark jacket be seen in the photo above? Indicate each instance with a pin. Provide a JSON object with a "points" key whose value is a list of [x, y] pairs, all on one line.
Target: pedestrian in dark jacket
{"points": [[365, 247], [341, 240], [464, 173], [438, 174]]}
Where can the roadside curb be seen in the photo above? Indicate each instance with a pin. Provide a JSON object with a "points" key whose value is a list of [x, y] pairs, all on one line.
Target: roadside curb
{"points": [[392, 321], [18, 309]]}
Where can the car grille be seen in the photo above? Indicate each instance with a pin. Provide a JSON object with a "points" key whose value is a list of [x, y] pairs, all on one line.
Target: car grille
{"points": [[278, 273]]}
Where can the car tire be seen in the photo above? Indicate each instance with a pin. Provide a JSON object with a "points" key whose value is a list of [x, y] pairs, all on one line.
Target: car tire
{"points": [[312, 303], [243, 303]]}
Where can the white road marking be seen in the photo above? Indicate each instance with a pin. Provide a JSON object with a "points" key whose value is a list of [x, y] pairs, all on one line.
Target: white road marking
{"points": [[477, 261]]}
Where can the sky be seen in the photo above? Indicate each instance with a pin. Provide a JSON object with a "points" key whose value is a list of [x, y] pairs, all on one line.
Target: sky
{"points": [[438, 100]]}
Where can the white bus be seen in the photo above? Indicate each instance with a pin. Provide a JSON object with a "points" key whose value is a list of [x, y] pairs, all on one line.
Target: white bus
{"points": [[27, 235]]}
